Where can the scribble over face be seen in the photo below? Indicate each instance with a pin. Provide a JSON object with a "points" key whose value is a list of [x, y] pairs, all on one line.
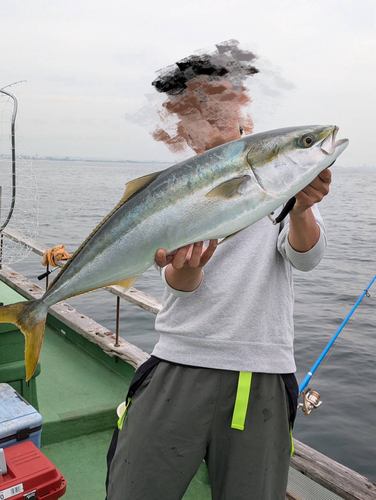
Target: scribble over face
{"points": [[206, 100]]}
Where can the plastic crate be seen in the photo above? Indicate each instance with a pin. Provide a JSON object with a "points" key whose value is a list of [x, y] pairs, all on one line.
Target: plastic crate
{"points": [[19, 420]]}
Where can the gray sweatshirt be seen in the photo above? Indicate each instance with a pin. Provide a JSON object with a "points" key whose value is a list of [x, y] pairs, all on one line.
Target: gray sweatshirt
{"points": [[241, 316]]}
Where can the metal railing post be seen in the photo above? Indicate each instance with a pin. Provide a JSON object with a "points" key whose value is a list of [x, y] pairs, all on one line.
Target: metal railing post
{"points": [[117, 322]]}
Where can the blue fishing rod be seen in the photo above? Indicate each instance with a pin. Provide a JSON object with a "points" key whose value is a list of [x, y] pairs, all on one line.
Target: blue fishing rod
{"points": [[311, 399]]}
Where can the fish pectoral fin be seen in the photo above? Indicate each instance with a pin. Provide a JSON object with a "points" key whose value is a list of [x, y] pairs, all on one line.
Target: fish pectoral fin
{"points": [[228, 189], [132, 187], [230, 236], [127, 283]]}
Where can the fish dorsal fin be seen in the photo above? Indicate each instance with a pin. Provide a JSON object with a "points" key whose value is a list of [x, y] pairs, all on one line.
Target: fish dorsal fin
{"points": [[131, 188], [127, 283], [136, 185], [230, 236], [228, 189]]}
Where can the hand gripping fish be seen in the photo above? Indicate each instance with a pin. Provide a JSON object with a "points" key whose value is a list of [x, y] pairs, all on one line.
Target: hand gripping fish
{"points": [[205, 197]]}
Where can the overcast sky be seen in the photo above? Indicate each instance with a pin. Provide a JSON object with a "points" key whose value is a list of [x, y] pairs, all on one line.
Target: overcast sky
{"points": [[89, 63]]}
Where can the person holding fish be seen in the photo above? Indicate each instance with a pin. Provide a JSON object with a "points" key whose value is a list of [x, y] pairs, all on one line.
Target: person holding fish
{"points": [[220, 384]]}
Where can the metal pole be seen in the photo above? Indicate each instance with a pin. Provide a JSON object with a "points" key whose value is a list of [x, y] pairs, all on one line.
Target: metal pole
{"points": [[309, 375], [13, 141], [117, 321]]}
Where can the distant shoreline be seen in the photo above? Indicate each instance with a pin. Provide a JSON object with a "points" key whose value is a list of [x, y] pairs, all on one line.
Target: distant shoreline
{"points": [[96, 160], [145, 162]]}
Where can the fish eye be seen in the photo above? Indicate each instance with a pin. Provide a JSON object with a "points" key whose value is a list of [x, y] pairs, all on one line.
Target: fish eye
{"points": [[306, 141]]}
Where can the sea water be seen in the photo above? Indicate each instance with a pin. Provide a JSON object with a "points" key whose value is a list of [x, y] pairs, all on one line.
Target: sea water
{"points": [[75, 195]]}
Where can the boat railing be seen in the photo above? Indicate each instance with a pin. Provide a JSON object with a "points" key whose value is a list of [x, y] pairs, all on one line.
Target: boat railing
{"points": [[323, 472]]}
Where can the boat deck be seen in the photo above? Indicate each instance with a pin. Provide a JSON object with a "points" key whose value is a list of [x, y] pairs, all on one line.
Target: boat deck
{"points": [[78, 395], [82, 461]]}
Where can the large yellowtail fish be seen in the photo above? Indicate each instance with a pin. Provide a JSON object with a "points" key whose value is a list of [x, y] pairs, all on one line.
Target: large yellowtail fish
{"points": [[205, 197]]}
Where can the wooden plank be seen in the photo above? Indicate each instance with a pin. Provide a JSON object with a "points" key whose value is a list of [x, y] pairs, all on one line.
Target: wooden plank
{"points": [[141, 299], [14, 235], [332, 475], [87, 327], [290, 496]]}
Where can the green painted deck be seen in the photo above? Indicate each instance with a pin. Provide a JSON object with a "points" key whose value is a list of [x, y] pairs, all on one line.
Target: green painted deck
{"points": [[83, 463], [77, 393]]}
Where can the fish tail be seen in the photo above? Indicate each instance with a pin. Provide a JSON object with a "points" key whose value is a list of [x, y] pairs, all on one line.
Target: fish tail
{"points": [[30, 317]]}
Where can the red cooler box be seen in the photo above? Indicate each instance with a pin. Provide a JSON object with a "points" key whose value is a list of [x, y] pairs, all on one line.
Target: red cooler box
{"points": [[30, 475]]}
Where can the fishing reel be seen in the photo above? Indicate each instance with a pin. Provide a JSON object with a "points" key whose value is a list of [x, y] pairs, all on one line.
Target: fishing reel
{"points": [[311, 400]]}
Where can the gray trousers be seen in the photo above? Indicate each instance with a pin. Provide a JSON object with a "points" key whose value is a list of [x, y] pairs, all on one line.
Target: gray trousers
{"points": [[182, 415]]}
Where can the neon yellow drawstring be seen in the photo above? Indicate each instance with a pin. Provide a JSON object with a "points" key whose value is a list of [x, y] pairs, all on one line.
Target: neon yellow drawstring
{"points": [[292, 443], [241, 402]]}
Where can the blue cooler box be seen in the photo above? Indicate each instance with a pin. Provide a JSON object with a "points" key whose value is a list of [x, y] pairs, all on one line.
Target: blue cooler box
{"points": [[19, 421]]}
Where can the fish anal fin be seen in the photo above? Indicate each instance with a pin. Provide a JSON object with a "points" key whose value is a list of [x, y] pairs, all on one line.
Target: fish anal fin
{"points": [[228, 189], [127, 283], [132, 187], [230, 236]]}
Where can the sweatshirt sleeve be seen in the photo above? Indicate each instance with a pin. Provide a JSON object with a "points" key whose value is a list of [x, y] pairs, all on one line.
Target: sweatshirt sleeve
{"points": [[303, 261], [173, 291]]}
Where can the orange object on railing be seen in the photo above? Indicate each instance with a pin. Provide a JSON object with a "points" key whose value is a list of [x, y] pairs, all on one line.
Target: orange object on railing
{"points": [[52, 255]]}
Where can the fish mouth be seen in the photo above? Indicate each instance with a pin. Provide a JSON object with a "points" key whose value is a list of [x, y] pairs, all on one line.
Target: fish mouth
{"points": [[330, 145]]}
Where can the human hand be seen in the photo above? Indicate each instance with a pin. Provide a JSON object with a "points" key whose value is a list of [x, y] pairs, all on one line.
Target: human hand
{"points": [[190, 256], [313, 193], [185, 272]]}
